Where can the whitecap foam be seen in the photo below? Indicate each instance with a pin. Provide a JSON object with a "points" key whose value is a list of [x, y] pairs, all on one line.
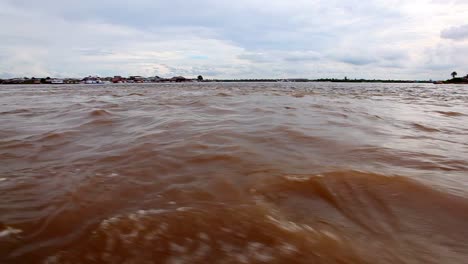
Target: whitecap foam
{"points": [[285, 225], [297, 178], [302, 178], [9, 231]]}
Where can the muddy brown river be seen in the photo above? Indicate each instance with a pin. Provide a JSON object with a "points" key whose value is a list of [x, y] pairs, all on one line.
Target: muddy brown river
{"points": [[234, 173]]}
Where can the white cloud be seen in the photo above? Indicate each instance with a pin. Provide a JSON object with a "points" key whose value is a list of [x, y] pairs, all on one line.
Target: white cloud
{"points": [[255, 38], [455, 33]]}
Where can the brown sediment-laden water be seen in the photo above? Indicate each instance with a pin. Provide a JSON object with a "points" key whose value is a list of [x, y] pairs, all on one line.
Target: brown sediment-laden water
{"points": [[234, 173]]}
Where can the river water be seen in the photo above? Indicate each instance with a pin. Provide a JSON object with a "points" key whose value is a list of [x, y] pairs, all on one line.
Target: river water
{"points": [[234, 173]]}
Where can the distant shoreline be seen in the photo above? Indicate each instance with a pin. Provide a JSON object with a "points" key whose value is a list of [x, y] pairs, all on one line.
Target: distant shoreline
{"points": [[180, 79], [455, 81], [234, 81], [322, 80]]}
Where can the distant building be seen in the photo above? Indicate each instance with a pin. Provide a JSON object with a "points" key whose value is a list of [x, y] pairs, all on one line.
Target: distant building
{"points": [[155, 79], [92, 80], [15, 81], [57, 81], [118, 79], [71, 81], [136, 79]]}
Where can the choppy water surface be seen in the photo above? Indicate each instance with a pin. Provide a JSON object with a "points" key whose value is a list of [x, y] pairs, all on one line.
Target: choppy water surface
{"points": [[234, 173]]}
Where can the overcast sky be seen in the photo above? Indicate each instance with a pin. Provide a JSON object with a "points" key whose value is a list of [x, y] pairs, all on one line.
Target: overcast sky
{"points": [[399, 39]]}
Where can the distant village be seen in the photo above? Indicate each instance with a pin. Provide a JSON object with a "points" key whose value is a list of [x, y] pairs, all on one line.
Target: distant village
{"points": [[179, 79], [98, 80]]}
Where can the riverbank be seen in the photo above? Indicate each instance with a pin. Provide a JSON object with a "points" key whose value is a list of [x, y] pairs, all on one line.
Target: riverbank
{"points": [[457, 81], [118, 79]]}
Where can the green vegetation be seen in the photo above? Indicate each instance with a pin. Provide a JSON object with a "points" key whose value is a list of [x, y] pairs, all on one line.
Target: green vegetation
{"points": [[372, 81], [346, 80], [454, 80]]}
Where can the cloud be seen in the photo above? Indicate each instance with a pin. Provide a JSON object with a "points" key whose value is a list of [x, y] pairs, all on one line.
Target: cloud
{"points": [[356, 60], [94, 52], [306, 56], [444, 56], [232, 39], [455, 33], [257, 57]]}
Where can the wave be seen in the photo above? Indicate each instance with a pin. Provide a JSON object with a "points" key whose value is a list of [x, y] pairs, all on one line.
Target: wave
{"points": [[16, 111], [450, 113], [242, 234], [99, 112], [424, 128], [334, 217]]}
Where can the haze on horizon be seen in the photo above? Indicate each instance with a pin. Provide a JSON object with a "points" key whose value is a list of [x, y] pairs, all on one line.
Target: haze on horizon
{"points": [[420, 39]]}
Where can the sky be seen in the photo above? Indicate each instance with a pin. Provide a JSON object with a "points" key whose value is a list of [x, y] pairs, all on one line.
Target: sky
{"points": [[374, 39]]}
